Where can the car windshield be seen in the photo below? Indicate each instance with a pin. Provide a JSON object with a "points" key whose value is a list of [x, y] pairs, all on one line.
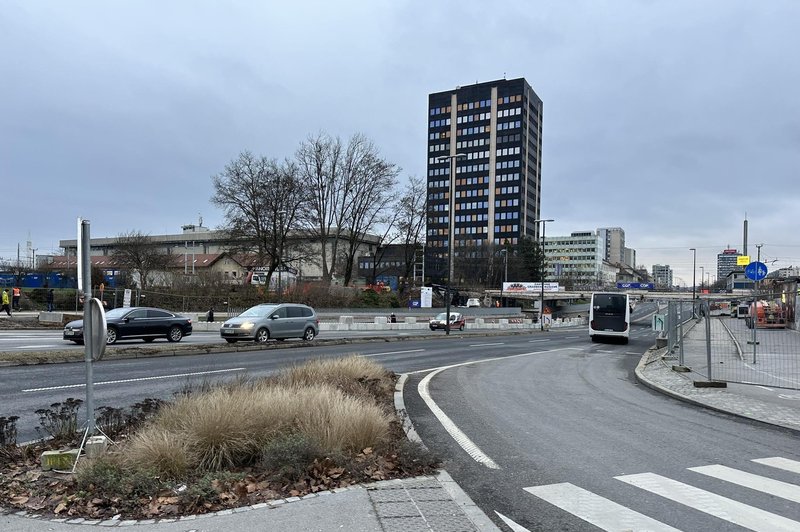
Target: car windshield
{"points": [[259, 311], [443, 316]]}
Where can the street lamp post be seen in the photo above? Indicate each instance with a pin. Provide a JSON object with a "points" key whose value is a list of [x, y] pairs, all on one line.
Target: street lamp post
{"points": [[702, 277], [505, 274], [694, 261], [451, 207], [541, 304]]}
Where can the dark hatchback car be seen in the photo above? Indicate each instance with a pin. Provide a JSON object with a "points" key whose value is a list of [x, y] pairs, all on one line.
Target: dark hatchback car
{"points": [[136, 322]]}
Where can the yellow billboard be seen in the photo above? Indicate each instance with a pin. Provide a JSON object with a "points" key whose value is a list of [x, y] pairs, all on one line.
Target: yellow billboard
{"points": [[743, 260]]}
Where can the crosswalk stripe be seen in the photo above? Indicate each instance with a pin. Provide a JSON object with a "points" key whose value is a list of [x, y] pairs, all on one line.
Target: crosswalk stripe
{"points": [[784, 490], [595, 509], [780, 463], [711, 503]]}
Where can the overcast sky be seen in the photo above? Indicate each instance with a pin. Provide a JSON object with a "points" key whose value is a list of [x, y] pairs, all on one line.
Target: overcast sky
{"points": [[670, 119]]}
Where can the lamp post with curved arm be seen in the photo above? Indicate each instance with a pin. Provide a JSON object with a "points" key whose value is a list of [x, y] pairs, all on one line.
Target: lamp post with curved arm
{"points": [[450, 228]]}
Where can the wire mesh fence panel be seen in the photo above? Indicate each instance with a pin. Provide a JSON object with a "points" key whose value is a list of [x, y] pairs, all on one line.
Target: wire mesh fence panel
{"points": [[751, 341]]}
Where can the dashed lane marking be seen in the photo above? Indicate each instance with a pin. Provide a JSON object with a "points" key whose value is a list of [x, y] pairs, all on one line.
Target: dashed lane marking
{"points": [[140, 379], [393, 353]]}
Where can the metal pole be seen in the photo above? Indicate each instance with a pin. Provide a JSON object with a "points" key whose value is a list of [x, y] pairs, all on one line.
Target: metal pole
{"points": [[86, 280], [680, 335], [694, 262], [543, 276], [708, 337], [450, 229], [754, 318]]}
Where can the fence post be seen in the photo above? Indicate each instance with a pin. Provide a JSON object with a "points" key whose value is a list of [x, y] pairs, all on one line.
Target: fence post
{"points": [[670, 326], [680, 335], [707, 319]]}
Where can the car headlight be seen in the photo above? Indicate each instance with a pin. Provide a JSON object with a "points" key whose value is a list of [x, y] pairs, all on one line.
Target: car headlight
{"points": [[247, 325]]}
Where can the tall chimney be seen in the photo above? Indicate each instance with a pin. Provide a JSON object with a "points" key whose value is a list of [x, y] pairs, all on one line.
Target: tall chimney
{"points": [[744, 244]]}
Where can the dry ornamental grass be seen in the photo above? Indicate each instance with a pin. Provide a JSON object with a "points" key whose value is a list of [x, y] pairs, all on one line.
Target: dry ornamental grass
{"points": [[312, 427]]}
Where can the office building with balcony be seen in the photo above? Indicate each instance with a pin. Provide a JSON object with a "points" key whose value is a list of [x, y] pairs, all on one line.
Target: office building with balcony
{"points": [[492, 133]]}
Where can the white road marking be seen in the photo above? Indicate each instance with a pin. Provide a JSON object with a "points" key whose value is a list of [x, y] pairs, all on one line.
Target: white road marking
{"points": [[511, 524], [34, 346], [393, 353], [765, 388], [451, 427], [780, 463], [140, 379], [597, 510], [537, 341], [733, 511], [784, 490], [484, 345], [462, 439]]}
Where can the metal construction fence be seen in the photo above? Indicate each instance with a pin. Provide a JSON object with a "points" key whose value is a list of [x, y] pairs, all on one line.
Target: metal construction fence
{"points": [[751, 340]]}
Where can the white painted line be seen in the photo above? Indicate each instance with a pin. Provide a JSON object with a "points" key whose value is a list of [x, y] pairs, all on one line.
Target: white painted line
{"points": [[484, 345], [537, 341], [140, 379], [780, 463], [597, 510], [572, 337], [393, 353], [509, 357], [605, 351], [462, 439], [35, 346], [511, 524], [765, 388], [784, 490], [732, 511]]}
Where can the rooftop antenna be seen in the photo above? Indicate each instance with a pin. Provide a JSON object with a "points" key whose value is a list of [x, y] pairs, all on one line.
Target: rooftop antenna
{"points": [[201, 219]]}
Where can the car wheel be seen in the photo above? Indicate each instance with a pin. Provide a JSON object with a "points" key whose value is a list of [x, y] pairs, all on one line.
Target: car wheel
{"points": [[262, 335], [461, 327], [148, 340], [111, 336], [309, 334], [433, 328], [230, 340], [175, 334]]}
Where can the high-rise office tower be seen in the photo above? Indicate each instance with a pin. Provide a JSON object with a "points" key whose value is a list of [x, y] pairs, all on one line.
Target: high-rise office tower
{"points": [[491, 133]]}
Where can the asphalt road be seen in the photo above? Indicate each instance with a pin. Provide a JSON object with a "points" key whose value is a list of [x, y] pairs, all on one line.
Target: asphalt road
{"points": [[561, 435]]}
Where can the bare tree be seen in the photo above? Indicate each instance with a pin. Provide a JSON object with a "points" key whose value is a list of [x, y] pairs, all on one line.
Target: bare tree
{"points": [[137, 253], [262, 200], [319, 159], [369, 186], [410, 225], [352, 189]]}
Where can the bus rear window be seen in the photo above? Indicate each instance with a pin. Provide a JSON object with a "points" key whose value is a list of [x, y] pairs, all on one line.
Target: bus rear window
{"points": [[609, 304]]}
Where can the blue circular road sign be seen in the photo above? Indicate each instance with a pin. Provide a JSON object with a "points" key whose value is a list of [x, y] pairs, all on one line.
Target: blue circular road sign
{"points": [[756, 271]]}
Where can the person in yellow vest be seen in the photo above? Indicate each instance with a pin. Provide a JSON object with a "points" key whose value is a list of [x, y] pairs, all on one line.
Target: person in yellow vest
{"points": [[5, 302], [15, 293]]}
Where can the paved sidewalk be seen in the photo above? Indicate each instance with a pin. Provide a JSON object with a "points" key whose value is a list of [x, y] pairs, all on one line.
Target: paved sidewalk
{"points": [[655, 371]]}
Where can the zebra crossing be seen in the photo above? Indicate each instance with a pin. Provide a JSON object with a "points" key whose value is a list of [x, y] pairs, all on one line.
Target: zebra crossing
{"points": [[609, 515]]}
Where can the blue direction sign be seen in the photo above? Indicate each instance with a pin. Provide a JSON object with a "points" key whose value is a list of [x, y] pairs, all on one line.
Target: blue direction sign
{"points": [[756, 271], [640, 286]]}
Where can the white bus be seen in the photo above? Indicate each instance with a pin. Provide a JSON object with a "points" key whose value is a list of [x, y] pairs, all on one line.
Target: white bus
{"points": [[610, 316]]}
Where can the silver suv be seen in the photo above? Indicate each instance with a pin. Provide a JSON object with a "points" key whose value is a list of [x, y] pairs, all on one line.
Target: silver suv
{"points": [[272, 320]]}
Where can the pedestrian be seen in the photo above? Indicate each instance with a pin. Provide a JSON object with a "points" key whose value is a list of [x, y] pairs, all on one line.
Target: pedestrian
{"points": [[50, 300], [5, 302], [210, 315], [15, 293]]}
